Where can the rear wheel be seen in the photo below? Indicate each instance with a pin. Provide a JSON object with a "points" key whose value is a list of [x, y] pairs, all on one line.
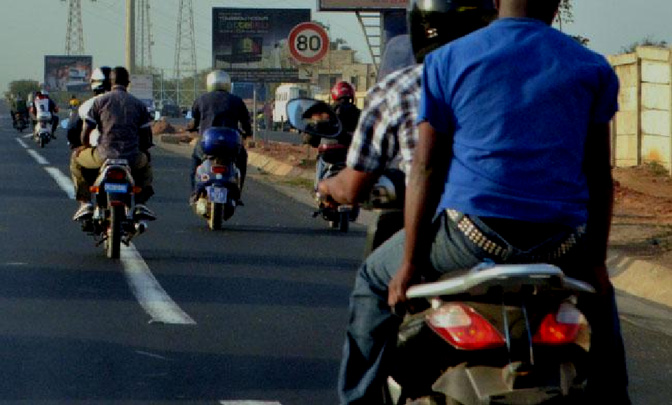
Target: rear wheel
{"points": [[42, 142], [215, 220], [113, 242]]}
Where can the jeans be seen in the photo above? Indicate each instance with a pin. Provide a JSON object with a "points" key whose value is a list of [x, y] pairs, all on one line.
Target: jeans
{"points": [[372, 328]]}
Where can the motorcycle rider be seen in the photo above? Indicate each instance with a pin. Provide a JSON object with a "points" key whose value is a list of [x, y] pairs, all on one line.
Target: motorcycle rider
{"points": [[42, 102], [74, 103], [219, 108], [19, 107], [522, 112], [386, 133], [100, 84], [125, 133]]}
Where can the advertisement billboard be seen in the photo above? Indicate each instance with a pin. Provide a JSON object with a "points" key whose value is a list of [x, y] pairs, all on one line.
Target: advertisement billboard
{"points": [[251, 44], [67, 73], [355, 5]]}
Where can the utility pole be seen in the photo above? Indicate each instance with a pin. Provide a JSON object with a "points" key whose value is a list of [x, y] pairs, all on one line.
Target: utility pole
{"points": [[185, 46], [130, 36]]}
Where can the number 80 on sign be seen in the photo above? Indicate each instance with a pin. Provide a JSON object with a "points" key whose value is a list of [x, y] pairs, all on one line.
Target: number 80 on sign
{"points": [[308, 42]]}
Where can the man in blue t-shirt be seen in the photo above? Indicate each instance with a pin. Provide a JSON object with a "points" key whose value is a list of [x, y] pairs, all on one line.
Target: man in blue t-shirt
{"points": [[512, 166]]}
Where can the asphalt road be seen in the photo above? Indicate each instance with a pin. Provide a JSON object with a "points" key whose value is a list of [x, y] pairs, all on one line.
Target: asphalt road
{"points": [[253, 312]]}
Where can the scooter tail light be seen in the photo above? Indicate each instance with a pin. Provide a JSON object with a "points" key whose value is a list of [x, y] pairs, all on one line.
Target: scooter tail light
{"points": [[94, 189], [562, 327], [115, 174], [219, 169], [464, 328], [137, 190]]}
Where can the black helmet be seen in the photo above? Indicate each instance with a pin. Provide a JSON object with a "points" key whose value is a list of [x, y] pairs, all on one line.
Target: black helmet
{"points": [[433, 23]]}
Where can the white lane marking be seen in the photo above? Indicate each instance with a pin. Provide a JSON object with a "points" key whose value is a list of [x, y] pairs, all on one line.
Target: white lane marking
{"points": [[20, 141], [62, 180], [38, 158], [249, 403], [147, 290], [26, 136]]}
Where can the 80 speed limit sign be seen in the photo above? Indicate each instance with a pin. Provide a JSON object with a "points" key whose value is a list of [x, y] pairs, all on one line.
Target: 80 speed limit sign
{"points": [[308, 42]]}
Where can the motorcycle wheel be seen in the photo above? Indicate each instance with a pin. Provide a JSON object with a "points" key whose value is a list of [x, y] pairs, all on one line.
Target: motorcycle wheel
{"points": [[343, 221], [113, 241], [215, 219], [42, 142]]}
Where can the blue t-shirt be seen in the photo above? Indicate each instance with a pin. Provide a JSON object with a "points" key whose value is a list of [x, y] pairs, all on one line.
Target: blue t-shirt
{"points": [[518, 97]]}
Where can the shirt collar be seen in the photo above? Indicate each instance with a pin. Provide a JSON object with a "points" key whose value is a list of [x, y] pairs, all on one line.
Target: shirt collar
{"points": [[118, 87]]}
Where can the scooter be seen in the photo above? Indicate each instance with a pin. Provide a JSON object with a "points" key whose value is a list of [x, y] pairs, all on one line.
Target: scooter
{"points": [[42, 131], [317, 119], [495, 334], [218, 180], [114, 219]]}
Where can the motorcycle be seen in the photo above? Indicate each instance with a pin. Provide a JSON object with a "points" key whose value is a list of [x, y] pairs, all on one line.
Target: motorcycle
{"points": [[316, 119], [42, 131], [218, 179], [114, 219], [496, 334], [20, 122]]}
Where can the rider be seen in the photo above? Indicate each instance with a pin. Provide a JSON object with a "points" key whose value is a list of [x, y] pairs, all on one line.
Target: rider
{"points": [[125, 133], [100, 84], [42, 102], [219, 108], [74, 102], [513, 144], [19, 107], [386, 133]]}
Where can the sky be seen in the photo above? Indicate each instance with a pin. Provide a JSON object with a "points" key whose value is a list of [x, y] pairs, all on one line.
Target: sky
{"points": [[33, 28]]}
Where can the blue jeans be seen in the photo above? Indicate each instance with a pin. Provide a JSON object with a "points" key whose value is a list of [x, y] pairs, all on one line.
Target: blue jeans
{"points": [[372, 328]]}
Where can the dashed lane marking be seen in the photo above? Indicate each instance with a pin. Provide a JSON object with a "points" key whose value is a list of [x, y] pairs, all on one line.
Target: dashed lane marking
{"points": [[144, 286]]}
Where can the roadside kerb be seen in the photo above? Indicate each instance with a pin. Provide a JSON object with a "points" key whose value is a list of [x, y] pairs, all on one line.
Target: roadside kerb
{"points": [[636, 277]]}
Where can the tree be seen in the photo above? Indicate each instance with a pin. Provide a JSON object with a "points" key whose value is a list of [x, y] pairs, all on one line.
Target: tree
{"points": [[23, 87], [648, 41]]}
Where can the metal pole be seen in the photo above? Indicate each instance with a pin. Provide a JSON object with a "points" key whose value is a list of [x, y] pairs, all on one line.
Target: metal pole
{"points": [[254, 111], [130, 36]]}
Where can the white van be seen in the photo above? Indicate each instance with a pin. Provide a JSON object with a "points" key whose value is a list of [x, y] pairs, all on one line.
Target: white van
{"points": [[283, 94]]}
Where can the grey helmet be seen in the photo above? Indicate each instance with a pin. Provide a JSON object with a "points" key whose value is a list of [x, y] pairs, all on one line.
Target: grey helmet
{"points": [[100, 80], [218, 80]]}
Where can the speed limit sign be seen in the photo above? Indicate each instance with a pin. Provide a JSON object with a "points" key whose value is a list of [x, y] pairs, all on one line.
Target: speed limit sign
{"points": [[308, 42]]}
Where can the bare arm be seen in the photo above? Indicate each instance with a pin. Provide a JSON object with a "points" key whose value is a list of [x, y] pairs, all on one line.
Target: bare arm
{"points": [[423, 193], [597, 167], [348, 187]]}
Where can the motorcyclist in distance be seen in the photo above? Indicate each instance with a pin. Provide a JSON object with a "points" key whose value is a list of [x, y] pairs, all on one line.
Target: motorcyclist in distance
{"points": [[42, 102], [19, 107], [219, 108]]}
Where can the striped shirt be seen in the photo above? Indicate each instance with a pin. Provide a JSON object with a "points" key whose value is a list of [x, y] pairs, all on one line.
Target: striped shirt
{"points": [[387, 133]]}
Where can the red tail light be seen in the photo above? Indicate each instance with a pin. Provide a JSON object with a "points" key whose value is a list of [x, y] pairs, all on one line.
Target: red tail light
{"points": [[464, 328], [562, 327], [219, 169], [115, 174]]}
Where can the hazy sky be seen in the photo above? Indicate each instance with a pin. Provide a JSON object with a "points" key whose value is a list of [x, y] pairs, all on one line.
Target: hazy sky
{"points": [[32, 28]]}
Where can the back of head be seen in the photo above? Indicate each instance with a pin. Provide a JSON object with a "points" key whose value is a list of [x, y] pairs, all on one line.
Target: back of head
{"points": [[343, 91], [544, 10], [218, 80], [120, 76], [434, 23], [100, 80]]}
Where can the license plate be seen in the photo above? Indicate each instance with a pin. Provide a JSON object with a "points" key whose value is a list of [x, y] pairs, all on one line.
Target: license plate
{"points": [[116, 188], [217, 194]]}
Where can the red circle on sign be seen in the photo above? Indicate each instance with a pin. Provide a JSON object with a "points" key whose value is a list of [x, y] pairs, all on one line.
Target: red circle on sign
{"points": [[308, 27]]}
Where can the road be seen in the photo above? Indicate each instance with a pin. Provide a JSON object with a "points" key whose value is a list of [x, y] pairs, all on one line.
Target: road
{"points": [[276, 136], [253, 312]]}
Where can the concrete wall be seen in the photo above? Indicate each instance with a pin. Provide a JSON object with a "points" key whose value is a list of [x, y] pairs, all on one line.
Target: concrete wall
{"points": [[642, 128]]}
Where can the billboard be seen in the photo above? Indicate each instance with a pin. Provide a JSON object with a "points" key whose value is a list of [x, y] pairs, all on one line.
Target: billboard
{"points": [[67, 73], [251, 44], [370, 5], [142, 86]]}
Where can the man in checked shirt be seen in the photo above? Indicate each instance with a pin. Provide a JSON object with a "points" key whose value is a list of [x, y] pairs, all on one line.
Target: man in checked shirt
{"points": [[387, 132]]}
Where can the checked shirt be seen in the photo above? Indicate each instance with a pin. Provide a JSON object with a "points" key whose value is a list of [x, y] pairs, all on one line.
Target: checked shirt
{"points": [[387, 133]]}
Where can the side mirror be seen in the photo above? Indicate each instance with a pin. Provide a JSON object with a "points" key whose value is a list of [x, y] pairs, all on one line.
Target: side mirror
{"points": [[64, 123], [313, 117]]}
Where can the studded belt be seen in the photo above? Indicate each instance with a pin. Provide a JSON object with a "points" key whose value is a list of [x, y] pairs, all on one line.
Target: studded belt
{"points": [[471, 232]]}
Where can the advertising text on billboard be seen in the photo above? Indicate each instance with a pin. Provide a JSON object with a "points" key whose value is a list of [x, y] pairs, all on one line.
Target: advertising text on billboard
{"points": [[67, 73]]}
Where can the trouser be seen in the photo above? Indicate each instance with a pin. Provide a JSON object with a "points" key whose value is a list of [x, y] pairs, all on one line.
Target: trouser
{"points": [[89, 160], [197, 157], [372, 328]]}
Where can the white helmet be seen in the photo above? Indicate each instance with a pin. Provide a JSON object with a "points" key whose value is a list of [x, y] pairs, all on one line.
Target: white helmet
{"points": [[100, 80], [218, 80]]}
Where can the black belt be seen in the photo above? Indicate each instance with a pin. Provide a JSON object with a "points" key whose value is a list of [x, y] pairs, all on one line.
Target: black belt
{"points": [[471, 232]]}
